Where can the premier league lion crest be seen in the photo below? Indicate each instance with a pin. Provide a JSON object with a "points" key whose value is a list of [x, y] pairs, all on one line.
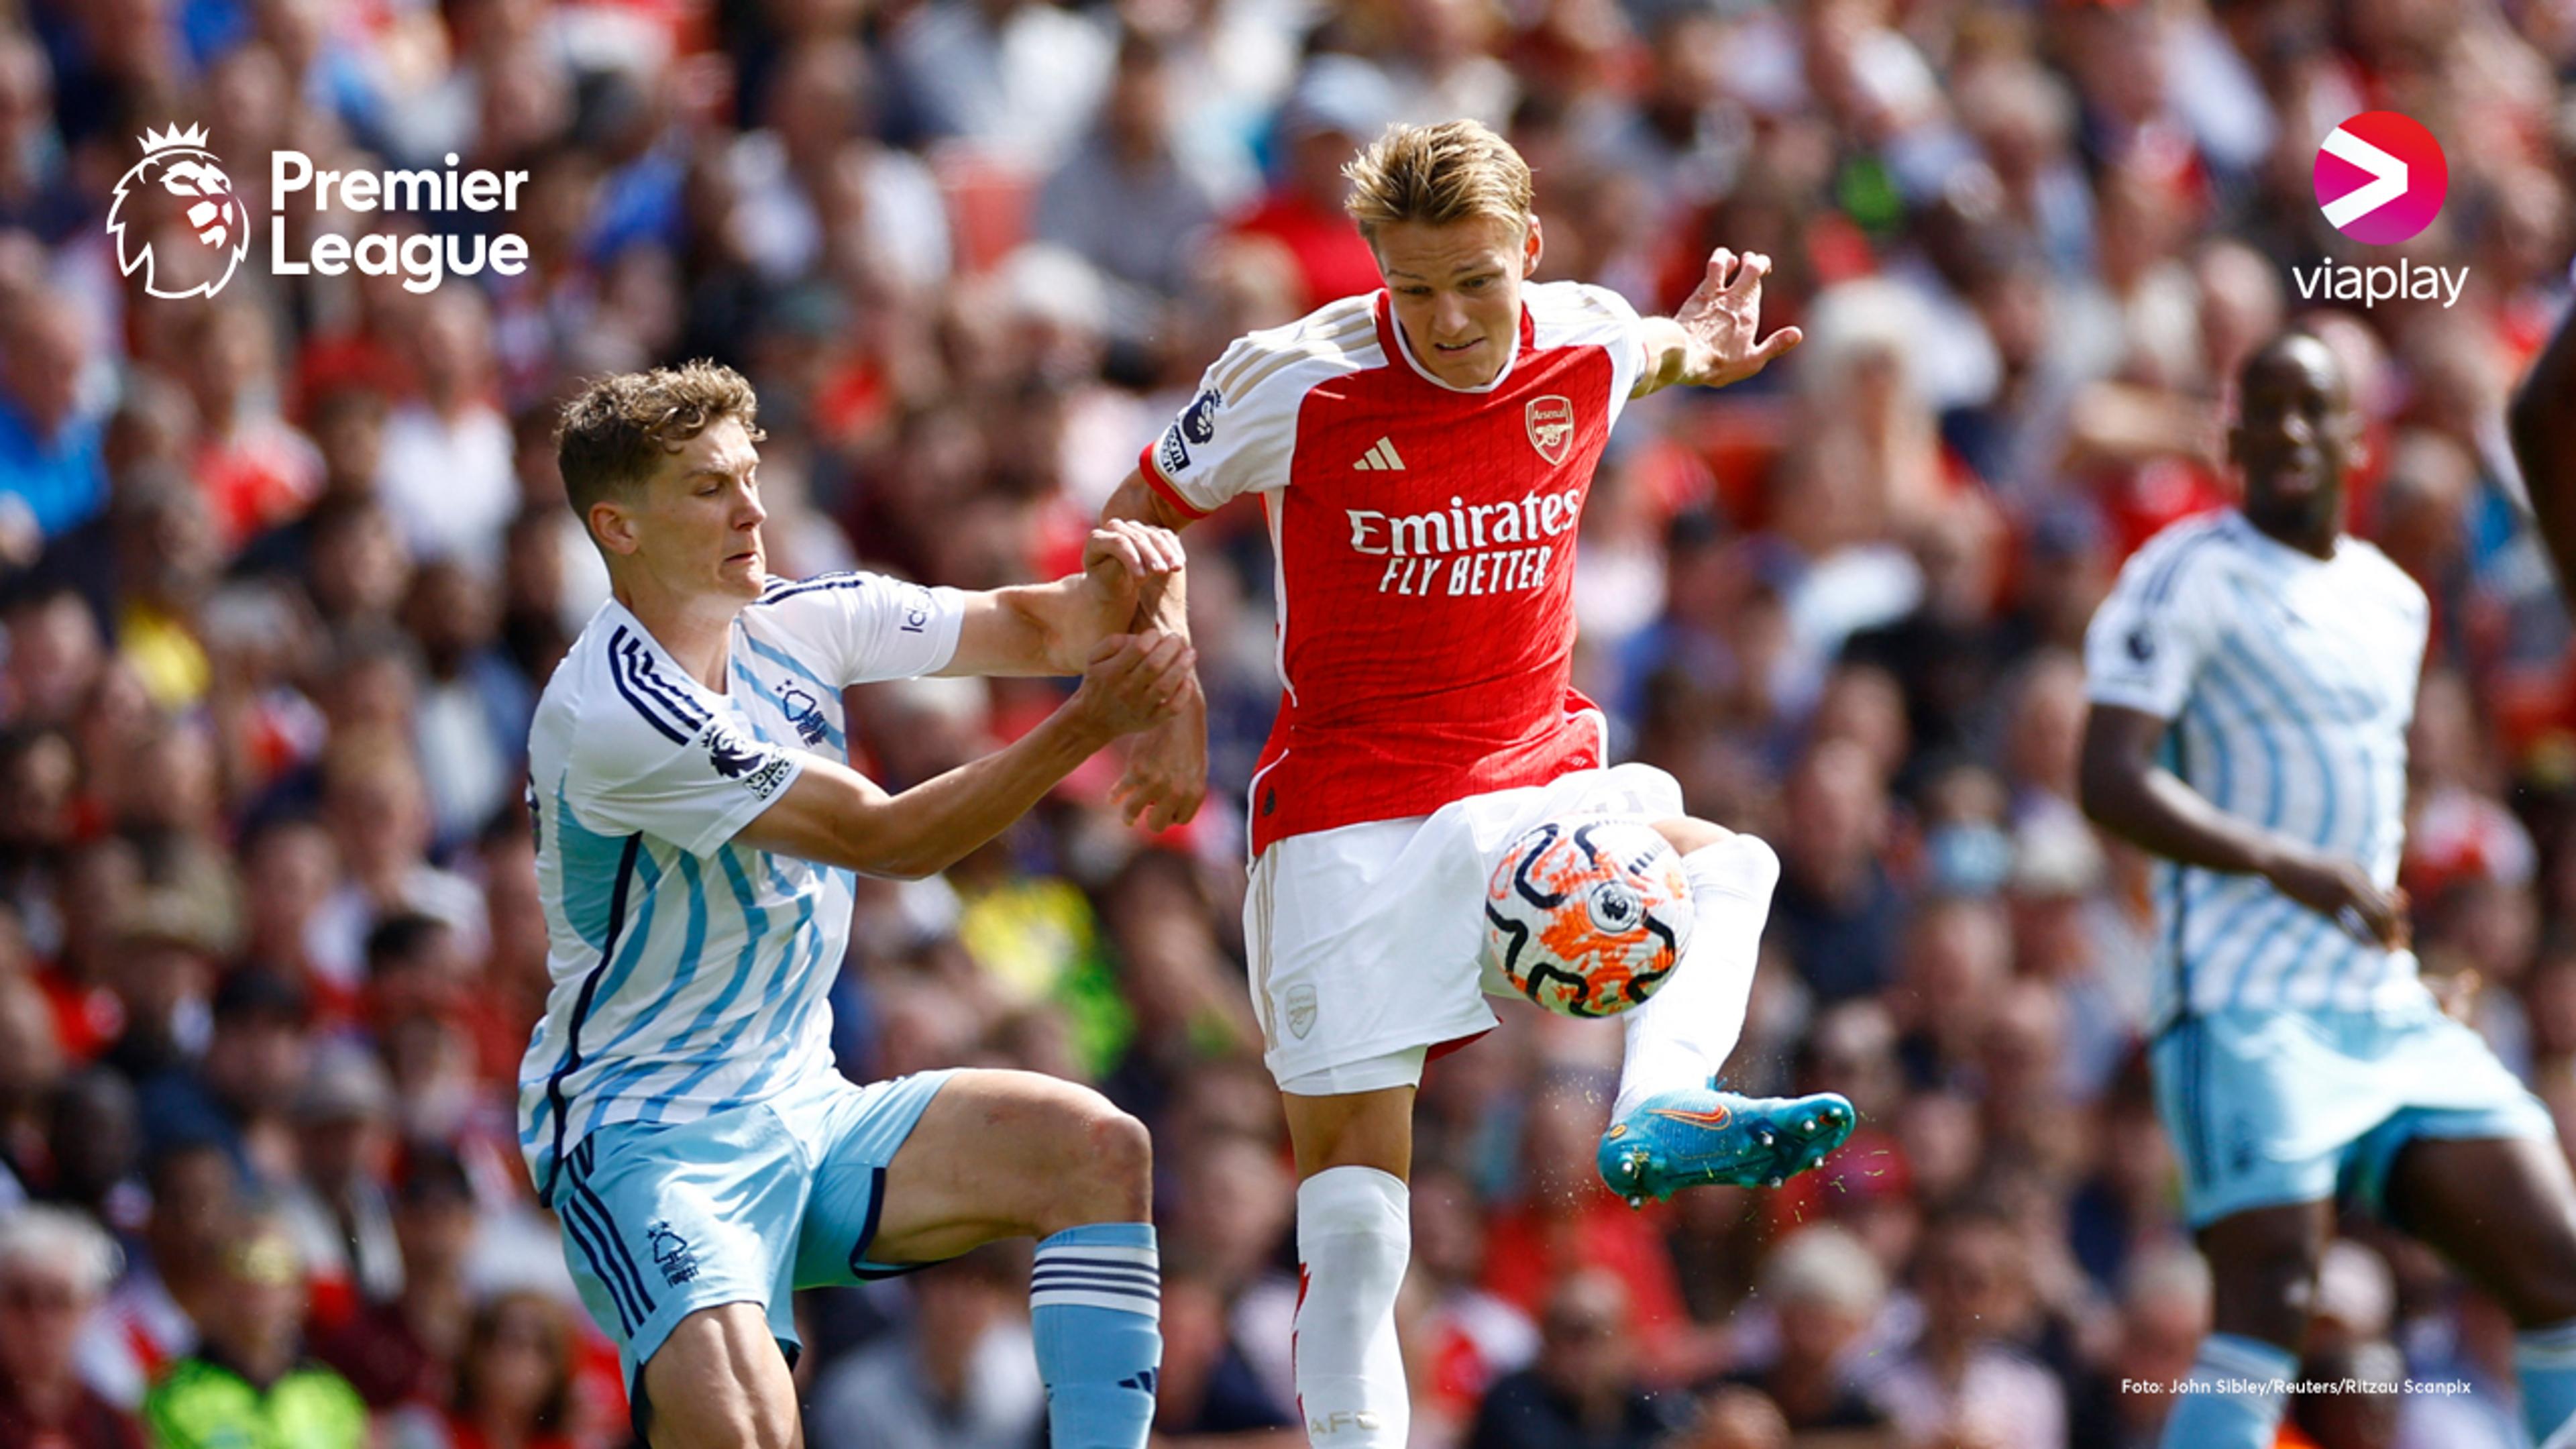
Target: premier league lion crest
{"points": [[178, 196]]}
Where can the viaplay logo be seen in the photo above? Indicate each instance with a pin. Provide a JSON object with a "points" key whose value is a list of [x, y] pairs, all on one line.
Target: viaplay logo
{"points": [[2381, 178]]}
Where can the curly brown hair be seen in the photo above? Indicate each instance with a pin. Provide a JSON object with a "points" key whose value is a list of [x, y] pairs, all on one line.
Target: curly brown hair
{"points": [[621, 426]]}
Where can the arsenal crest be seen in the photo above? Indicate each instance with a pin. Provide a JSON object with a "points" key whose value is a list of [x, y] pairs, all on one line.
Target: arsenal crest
{"points": [[1551, 427]]}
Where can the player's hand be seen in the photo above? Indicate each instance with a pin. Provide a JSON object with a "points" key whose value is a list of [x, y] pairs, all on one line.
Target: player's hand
{"points": [[1723, 317], [1167, 767], [1133, 680], [1125, 563], [2342, 892]]}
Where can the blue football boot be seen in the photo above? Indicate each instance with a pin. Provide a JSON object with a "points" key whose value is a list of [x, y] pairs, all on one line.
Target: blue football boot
{"points": [[1704, 1136]]}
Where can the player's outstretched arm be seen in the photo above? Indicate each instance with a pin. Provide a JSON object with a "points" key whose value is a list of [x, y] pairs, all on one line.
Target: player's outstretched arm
{"points": [[1052, 628], [2543, 422], [834, 816], [2127, 793], [1715, 338], [1166, 777]]}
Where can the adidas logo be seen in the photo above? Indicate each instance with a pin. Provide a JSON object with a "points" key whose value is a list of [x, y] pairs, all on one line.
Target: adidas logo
{"points": [[1382, 457]]}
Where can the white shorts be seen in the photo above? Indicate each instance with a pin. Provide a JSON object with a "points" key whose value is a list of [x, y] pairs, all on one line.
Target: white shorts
{"points": [[1367, 942]]}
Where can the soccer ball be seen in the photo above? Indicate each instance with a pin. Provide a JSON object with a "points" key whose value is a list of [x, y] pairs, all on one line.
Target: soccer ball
{"points": [[1587, 916]]}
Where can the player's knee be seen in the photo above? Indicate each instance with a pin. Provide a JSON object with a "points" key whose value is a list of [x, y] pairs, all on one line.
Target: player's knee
{"points": [[1110, 1174], [727, 1421], [1751, 865], [1757, 861], [1686, 833], [2270, 1295]]}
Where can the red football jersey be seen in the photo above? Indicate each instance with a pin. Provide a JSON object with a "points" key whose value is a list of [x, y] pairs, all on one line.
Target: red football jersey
{"points": [[1424, 537]]}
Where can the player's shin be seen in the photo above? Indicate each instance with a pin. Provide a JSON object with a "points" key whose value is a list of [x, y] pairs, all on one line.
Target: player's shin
{"points": [[1684, 1033], [1354, 1234], [2545, 1358], [2234, 1397], [1095, 1301]]}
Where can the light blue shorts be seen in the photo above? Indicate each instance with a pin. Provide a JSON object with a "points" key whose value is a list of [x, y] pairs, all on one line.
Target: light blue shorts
{"points": [[660, 1220], [2267, 1108]]}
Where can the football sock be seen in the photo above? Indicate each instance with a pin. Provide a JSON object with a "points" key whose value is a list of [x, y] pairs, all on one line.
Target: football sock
{"points": [[1685, 1031], [1095, 1310], [2546, 1360], [2247, 1414], [1354, 1233]]}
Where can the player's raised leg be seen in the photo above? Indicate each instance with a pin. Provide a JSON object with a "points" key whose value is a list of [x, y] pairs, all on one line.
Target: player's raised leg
{"points": [[1671, 1128], [2504, 1211], [1354, 1237], [1016, 1154], [719, 1382], [2263, 1271]]}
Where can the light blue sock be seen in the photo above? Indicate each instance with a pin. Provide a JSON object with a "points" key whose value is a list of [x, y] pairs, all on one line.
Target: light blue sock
{"points": [[2234, 1397], [2546, 1360], [1095, 1308]]}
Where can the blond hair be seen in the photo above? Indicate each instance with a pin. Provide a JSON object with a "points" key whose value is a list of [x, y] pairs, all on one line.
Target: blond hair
{"points": [[619, 429], [1436, 175]]}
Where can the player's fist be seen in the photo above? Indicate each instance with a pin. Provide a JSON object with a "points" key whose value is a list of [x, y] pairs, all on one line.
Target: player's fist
{"points": [[1723, 319], [2342, 892], [1133, 680], [1167, 768], [1126, 563]]}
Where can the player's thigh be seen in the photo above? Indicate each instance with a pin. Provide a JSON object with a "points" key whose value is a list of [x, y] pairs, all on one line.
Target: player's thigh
{"points": [[1352, 1129], [1000, 1154], [719, 1382], [661, 1222], [2502, 1209], [1365, 941], [2263, 1269]]}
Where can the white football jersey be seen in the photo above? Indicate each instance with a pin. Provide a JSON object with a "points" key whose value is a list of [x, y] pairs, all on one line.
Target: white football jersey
{"points": [[690, 972], [2290, 681]]}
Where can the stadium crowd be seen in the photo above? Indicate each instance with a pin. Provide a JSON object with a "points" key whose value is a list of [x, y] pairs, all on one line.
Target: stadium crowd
{"points": [[286, 567]]}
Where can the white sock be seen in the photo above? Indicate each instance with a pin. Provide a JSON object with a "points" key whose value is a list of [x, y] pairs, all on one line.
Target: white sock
{"points": [[1354, 1233], [1687, 1029]]}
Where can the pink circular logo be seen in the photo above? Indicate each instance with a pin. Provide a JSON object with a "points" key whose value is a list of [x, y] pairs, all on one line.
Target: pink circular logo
{"points": [[2381, 178]]}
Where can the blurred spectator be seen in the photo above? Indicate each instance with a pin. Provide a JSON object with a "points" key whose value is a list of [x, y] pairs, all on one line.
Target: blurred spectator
{"points": [[53, 472], [402, 1348], [54, 1267], [1014, 77], [242, 1093], [514, 1382], [1583, 1391], [1340, 103], [1737, 1418], [962, 1377], [250, 1383], [153, 1318], [1836, 910], [446, 468], [1828, 1295], [1962, 1377], [341, 1214], [1131, 199]]}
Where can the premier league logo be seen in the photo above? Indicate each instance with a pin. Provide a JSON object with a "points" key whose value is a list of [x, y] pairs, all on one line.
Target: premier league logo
{"points": [[728, 751], [1551, 427], [1199, 423], [178, 196]]}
